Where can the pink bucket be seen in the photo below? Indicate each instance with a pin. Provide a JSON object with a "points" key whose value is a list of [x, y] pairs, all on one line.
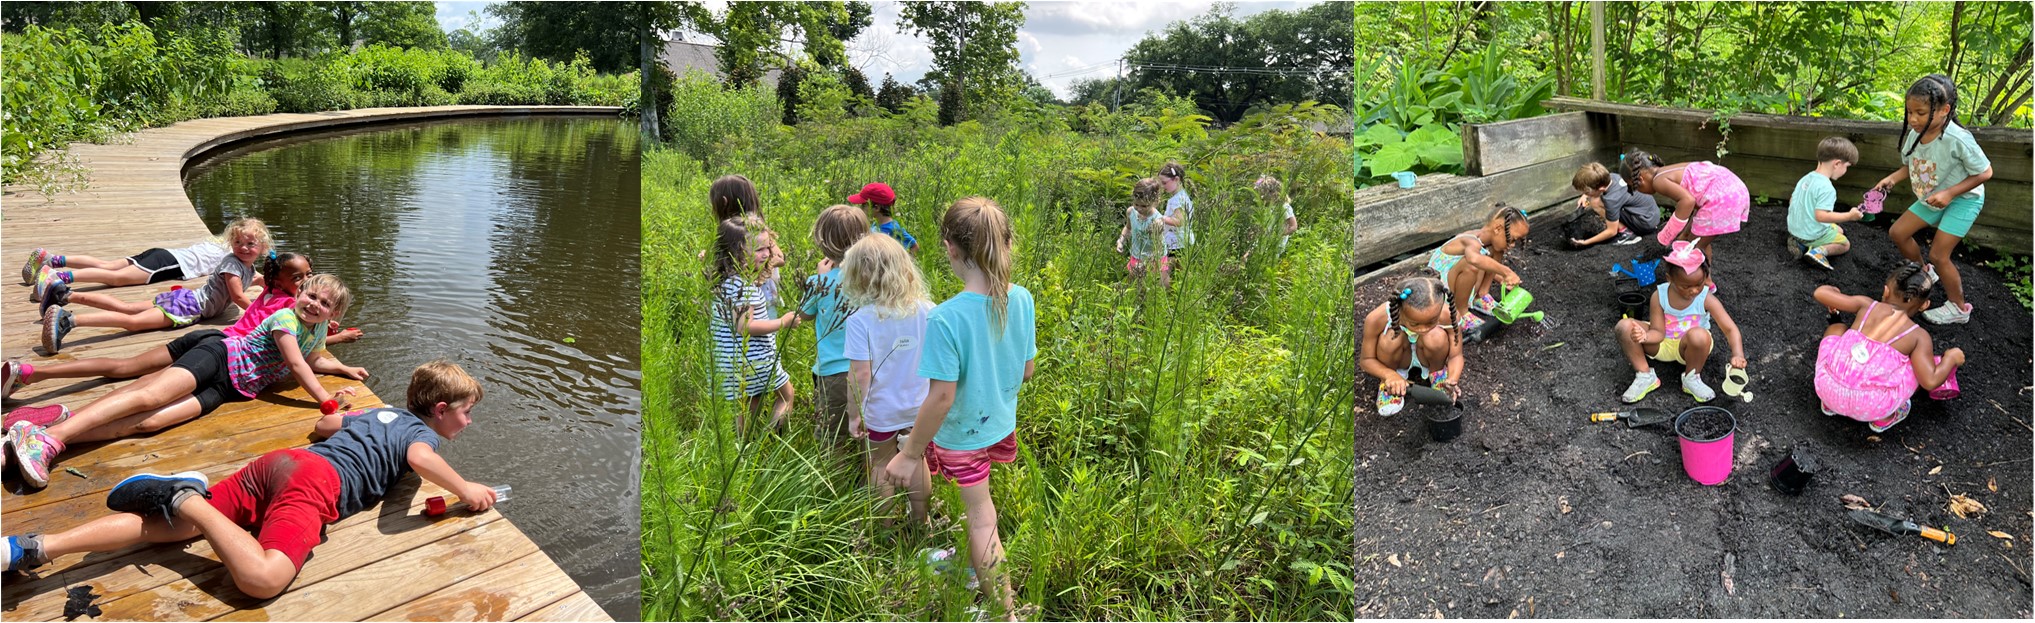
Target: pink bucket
{"points": [[1706, 436], [1948, 389]]}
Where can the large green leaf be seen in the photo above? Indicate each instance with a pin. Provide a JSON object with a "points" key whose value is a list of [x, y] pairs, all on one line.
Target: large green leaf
{"points": [[1378, 135], [1392, 158]]}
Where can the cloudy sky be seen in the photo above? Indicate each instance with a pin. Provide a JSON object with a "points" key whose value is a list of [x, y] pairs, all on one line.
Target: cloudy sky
{"points": [[1061, 42]]}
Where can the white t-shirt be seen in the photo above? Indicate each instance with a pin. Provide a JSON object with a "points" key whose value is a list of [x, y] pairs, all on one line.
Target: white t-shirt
{"points": [[1179, 206], [198, 260], [892, 347]]}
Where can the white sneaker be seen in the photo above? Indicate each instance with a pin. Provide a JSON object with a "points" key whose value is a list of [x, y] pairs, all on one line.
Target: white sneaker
{"points": [[1643, 383], [1692, 384], [1929, 271], [1948, 313]]}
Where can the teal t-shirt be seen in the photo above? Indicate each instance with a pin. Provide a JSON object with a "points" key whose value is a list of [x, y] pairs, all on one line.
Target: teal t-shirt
{"points": [[830, 313], [1944, 162], [1813, 194], [986, 368]]}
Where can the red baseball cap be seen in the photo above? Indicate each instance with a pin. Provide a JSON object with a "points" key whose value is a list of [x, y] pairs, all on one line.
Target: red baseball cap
{"points": [[878, 193]]}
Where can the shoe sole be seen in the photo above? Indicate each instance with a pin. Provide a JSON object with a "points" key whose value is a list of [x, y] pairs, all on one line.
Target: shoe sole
{"points": [[1698, 399], [14, 456], [29, 269], [49, 329]]}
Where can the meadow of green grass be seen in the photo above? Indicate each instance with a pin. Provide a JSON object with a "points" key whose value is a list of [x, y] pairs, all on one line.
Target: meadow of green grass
{"points": [[1184, 453]]}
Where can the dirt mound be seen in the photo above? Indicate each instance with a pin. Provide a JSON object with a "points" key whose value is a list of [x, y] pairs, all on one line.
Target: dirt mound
{"points": [[1535, 511]]}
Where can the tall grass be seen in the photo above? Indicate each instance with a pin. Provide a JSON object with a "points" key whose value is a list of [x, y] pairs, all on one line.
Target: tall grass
{"points": [[1184, 453]]}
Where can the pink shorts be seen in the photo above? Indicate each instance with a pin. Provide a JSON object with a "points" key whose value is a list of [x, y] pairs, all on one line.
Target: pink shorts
{"points": [[968, 468], [1723, 203], [880, 437], [1165, 264]]}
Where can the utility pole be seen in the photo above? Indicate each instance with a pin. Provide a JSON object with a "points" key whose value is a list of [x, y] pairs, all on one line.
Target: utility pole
{"points": [[1116, 94]]}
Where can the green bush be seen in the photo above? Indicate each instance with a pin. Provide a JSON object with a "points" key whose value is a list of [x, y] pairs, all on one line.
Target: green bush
{"points": [[703, 112]]}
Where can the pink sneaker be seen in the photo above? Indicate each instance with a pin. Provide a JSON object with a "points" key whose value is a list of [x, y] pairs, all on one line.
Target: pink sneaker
{"points": [[39, 416]]}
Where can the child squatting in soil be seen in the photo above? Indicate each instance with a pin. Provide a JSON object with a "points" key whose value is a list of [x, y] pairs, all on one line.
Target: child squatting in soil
{"points": [[1471, 261], [284, 274], [1710, 201], [1417, 310], [879, 200], [745, 337], [1945, 167], [1678, 328], [1812, 209], [210, 370], [228, 276], [837, 228], [1142, 228], [264, 520], [979, 350], [1869, 371], [1627, 215], [883, 341]]}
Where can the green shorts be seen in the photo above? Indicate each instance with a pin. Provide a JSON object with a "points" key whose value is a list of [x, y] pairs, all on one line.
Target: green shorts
{"points": [[1834, 235], [1955, 220]]}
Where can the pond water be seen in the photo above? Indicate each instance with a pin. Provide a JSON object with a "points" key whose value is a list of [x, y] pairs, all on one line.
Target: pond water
{"points": [[509, 246]]}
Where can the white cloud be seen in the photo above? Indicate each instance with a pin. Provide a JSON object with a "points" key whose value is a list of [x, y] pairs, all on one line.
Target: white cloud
{"points": [[455, 15]]}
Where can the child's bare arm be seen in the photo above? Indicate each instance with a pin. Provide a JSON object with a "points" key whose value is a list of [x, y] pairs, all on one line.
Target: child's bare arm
{"points": [[932, 413], [328, 425], [1730, 329], [1922, 356], [1611, 229], [1941, 198], [323, 362], [299, 367], [1491, 265], [1368, 360], [1899, 175], [1685, 202], [859, 377], [237, 291], [1837, 301], [1031, 367], [433, 468], [748, 325], [1833, 216]]}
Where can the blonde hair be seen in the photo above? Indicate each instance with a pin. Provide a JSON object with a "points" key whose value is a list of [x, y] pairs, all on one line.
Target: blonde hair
{"points": [[248, 225], [1147, 192], [837, 228], [339, 297], [877, 273], [436, 382], [979, 229], [1269, 188]]}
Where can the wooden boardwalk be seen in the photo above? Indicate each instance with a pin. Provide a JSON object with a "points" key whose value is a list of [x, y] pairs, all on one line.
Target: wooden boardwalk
{"points": [[389, 562]]}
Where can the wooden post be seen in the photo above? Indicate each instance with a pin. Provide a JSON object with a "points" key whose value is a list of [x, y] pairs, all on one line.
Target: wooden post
{"points": [[1597, 49]]}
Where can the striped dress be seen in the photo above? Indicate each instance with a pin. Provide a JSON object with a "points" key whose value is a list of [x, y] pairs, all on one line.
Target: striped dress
{"points": [[746, 364]]}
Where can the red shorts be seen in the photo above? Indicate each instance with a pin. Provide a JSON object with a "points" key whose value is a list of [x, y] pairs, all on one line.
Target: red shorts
{"points": [[286, 498], [880, 437], [968, 468], [1165, 264]]}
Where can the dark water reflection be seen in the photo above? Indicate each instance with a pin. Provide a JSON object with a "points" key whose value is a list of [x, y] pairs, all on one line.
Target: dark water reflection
{"points": [[510, 247]]}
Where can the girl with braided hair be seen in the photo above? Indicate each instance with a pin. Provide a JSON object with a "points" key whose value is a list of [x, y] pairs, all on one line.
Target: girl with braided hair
{"points": [[1677, 328], [1710, 200], [1944, 166], [1868, 371], [1469, 262], [1415, 310]]}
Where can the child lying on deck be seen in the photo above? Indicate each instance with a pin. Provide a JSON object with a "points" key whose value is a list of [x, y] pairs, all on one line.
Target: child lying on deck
{"points": [[264, 520]]}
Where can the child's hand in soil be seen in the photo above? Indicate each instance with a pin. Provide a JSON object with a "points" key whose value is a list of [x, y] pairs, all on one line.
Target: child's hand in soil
{"points": [[1455, 393], [1954, 357], [1940, 199]]}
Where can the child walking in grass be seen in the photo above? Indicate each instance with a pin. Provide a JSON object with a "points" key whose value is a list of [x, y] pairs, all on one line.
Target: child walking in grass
{"points": [[836, 229], [732, 196], [883, 339], [978, 352], [284, 275], [1710, 201], [264, 520], [1812, 209], [228, 277], [245, 238], [1945, 167], [880, 200], [211, 370], [1869, 371], [1142, 229], [1272, 192], [745, 337], [1418, 311], [1471, 261], [1678, 328]]}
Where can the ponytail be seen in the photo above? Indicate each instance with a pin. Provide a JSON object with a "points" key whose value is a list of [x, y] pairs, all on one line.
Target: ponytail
{"points": [[980, 230]]}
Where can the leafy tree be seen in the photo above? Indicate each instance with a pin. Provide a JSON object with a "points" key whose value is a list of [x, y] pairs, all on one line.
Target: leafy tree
{"points": [[857, 83], [609, 33], [1232, 65], [752, 33], [15, 16], [278, 29], [974, 49], [474, 45], [402, 24], [1095, 91], [892, 96]]}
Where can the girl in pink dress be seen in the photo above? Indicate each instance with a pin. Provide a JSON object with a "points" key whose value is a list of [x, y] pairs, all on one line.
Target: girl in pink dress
{"points": [[1869, 371], [1710, 200]]}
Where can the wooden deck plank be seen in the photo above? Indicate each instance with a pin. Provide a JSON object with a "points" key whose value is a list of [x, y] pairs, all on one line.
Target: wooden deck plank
{"points": [[372, 563], [578, 607]]}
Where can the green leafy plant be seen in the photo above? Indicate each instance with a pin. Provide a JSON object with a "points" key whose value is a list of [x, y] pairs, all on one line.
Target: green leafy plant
{"points": [[2016, 270]]}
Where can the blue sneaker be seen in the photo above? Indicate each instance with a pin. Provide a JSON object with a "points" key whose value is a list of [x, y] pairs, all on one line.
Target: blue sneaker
{"points": [[143, 494], [25, 552]]}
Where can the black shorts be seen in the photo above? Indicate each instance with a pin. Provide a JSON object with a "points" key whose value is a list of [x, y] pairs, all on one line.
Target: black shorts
{"points": [[160, 264], [206, 361], [184, 343]]}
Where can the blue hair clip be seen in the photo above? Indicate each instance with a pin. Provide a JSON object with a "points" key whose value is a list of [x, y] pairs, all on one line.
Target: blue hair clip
{"points": [[1621, 158], [272, 254], [1405, 293]]}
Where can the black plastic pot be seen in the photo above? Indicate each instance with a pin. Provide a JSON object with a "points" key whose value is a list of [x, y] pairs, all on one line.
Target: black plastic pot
{"points": [[1446, 424], [1793, 473]]}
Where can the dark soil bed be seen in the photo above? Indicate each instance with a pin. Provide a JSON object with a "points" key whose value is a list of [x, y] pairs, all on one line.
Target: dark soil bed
{"points": [[1535, 511]]}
